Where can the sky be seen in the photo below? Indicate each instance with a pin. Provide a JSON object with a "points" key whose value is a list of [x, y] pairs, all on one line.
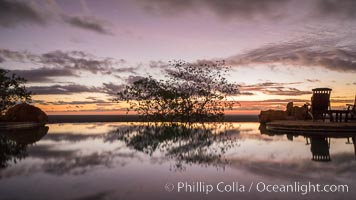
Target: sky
{"points": [[77, 54]]}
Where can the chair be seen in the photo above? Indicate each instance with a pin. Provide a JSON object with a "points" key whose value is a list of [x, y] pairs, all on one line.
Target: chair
{"points": [[351, 108], [320, 103], [320, 148]]}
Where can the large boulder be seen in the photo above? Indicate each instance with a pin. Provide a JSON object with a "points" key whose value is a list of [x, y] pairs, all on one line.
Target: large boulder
{"points": [[25, 113], [272, 115]]}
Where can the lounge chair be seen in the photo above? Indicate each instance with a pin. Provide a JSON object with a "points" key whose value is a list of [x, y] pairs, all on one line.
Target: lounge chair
{"points": [[320, 103], [320, 148], [351, 108]]}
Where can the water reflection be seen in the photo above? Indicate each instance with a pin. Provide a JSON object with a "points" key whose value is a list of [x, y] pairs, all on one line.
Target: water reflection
{"points": [[135, 160], [320, 144], [13, 143], [185, 143]]}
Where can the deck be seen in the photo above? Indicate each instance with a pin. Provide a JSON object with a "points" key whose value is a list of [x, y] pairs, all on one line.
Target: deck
{"points": [[310, 127]]}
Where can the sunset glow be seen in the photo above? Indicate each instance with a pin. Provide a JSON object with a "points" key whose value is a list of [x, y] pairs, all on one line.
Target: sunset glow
{"points": [[76, 55]]}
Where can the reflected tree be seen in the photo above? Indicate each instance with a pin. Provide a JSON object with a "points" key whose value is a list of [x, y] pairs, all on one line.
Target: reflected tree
{"points": [[11, 151], [186, 143]]}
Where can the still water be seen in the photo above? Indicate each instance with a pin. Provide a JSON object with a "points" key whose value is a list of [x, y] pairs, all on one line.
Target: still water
{"points": [[143, 161]]}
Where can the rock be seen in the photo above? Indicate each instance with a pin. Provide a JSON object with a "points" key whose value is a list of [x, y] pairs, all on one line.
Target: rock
{"points": [[272, 115], [25, 113]]}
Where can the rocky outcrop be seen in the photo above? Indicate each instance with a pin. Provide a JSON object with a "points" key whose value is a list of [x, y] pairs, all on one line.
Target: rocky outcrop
{"points": [[297, 112], [291, 113], [272, 115], [25, 113]]}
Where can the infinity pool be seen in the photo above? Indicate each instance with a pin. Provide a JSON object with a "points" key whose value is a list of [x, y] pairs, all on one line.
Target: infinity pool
{"points": [[165, 161]]}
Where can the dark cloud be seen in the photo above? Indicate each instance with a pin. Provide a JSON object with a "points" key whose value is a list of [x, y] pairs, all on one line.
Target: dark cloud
{"points": [[125, 69], [77, 60], [97, 102], [312, 80], [223, 8], [62, 89], [13, 13], [69, 59], [19, 56], [285, 91], [284, 100], [246, 94], [273, 88], [132, 79], [158, 64], [326, 54], [63, 63], [43, 74], [112, 89], [87, 23], [342, 9]]}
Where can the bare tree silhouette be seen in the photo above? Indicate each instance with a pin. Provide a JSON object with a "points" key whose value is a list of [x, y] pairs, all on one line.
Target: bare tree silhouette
{"points": [[189, 93]]}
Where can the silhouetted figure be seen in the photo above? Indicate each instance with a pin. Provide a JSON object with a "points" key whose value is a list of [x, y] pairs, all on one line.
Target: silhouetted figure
{"points": [[320, 149]]}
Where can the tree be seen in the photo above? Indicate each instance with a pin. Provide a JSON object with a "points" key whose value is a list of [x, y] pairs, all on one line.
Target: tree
{"points": [[12, 90], [189, 93]]}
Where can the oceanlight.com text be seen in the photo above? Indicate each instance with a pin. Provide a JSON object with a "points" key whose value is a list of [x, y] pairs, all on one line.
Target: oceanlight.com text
{"points": [[261, 187]]}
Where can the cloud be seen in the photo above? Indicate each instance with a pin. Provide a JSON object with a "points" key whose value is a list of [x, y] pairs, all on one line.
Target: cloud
{"points": [[111, 88], [13, 13], [224, 9], [273, 88], [313, 80], [78, 60], [19, 56], [285, 91], [43, 74], [342, 9], [62, 89], [63, 63], [132, 79], [96, 102], [327, 54], [246, 94], [69, 59], [87, 23]]}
